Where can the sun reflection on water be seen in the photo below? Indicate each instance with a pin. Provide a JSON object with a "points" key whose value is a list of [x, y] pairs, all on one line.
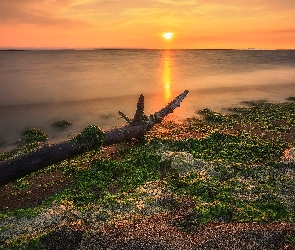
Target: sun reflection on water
{"points": [[166, 76]]}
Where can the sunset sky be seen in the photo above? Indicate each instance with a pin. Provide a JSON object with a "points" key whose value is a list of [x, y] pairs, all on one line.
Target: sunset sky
{"points": [[237, 24]]}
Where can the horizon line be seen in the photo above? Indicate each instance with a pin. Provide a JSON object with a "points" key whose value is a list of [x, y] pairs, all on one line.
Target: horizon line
{"points": [[8, 48]]}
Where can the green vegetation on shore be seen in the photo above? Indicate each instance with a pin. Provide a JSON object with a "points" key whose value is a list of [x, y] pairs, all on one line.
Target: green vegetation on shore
{"points": [[32, 135], [227, 165]]}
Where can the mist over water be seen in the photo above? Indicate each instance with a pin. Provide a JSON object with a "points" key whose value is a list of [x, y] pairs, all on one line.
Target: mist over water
{"points": [[38, 88]]}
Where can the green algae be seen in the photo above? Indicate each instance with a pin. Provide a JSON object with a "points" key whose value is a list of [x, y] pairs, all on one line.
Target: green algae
{"points": [[91, 137], [33, 135]]}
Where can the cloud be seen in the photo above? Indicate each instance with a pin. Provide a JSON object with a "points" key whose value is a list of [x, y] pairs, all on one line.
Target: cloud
{"points": [[36, 12], [70, 12], [272, 5], [262, 5]]}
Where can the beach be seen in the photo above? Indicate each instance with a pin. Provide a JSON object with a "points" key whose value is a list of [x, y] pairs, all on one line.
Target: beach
{"points": [[217, 182]]}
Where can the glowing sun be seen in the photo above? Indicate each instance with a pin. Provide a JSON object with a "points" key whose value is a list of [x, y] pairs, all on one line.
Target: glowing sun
{"points": [[168, 35]]}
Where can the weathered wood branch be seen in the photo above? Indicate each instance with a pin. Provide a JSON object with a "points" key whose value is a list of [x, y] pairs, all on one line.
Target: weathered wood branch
{"points": [[90, 138], [125, 117], [139, 113]]}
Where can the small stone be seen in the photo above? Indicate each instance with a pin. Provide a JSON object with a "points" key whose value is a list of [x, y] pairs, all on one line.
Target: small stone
{"points": [[62, 207], [289, 156]]}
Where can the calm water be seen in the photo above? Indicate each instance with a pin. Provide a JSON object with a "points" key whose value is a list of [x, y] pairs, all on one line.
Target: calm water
{"points": [[89, 87]]}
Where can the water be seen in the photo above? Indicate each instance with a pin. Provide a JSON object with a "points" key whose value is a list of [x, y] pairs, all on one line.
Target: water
{"points": [[38, 88]]}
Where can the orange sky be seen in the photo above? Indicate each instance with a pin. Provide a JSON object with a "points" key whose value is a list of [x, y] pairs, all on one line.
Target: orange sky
{"points": [[236, 24]]}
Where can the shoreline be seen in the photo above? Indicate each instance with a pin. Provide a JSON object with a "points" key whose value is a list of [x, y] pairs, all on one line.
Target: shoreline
{"points": [[57, 135]]}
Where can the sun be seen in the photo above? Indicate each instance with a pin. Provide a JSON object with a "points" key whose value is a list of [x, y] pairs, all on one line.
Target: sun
{"points": [[168, 35]]}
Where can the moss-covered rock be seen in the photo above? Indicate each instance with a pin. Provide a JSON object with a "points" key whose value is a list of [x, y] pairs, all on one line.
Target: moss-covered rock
{"points": [[33, 135], [91, 137], [62, 124], [291, 98]]}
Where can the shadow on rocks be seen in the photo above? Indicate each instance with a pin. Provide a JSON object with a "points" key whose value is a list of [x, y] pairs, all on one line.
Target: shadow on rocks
{"points": [[62, 238], [246, 240]]}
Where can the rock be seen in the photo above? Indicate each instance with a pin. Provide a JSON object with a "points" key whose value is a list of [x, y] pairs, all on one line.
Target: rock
{"points": [[183, 161], [289, 156], [62, 124]]}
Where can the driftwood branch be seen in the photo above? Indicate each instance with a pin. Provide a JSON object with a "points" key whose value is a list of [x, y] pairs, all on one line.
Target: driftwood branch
{"points": [[90, 138], [139, 114], [125, 117]]}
